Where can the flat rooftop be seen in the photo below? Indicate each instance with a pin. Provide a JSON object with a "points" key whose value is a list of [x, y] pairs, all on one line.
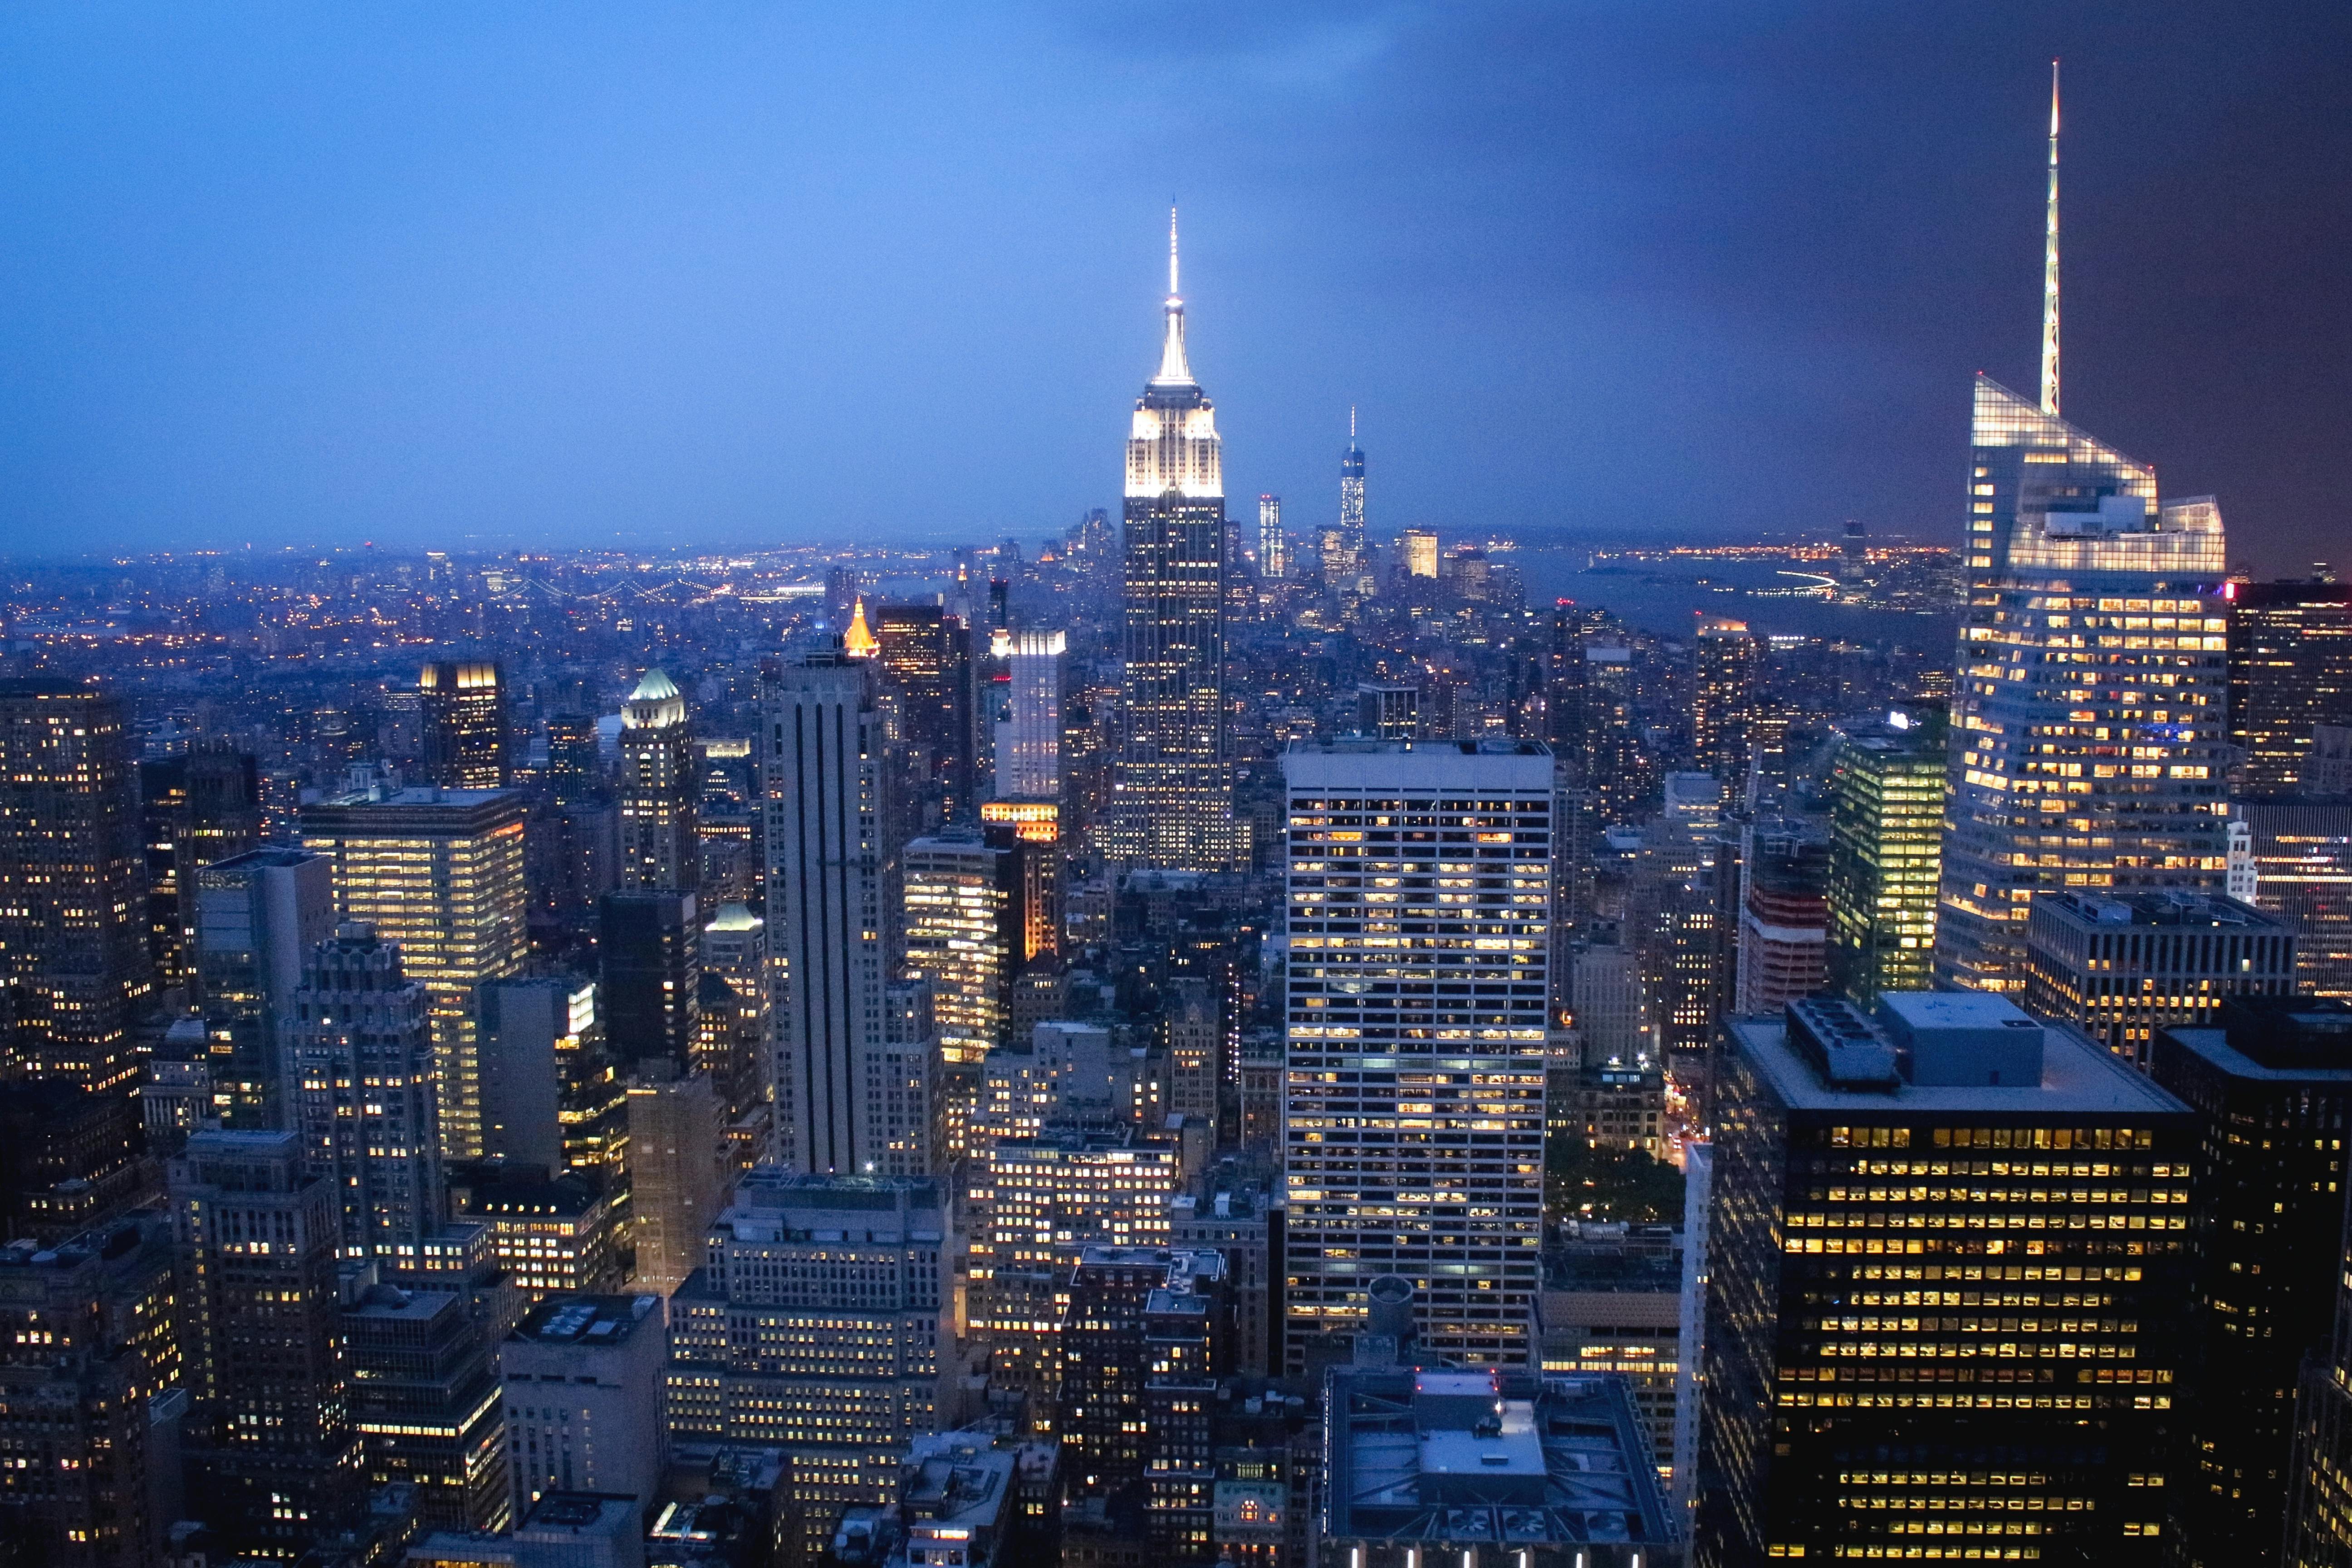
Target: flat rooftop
{"points": [[591, 1321], [2078, 1078]]}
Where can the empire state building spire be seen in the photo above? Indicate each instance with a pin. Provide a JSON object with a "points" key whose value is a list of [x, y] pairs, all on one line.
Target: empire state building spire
{"points": [[1173, 371]]}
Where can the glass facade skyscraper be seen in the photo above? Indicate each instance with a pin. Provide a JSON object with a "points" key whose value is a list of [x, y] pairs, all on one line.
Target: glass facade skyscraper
{"points": [[1886, 816], [2086, 747]]}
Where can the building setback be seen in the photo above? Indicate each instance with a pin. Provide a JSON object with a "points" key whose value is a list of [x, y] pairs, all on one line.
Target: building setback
{"points": [[2120, 969]]}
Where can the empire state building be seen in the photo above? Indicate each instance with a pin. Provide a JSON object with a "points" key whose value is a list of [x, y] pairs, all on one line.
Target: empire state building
{"points": [[1173, 800]]}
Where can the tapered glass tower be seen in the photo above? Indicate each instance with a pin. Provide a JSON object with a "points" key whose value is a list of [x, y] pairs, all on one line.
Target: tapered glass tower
{"points": [[1173, 789]]}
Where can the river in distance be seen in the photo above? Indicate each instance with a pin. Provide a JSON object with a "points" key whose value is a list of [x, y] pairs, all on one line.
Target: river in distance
{"points": [[1668, 596]]}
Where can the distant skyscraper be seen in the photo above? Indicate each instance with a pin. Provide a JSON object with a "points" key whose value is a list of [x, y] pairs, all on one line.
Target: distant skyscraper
{"points": [[1388, 711], [1345, 565], [841, 597], [1420, 548], [1394, 1059], [2297, 854], [437, 873], [1273, 544], [1031, 833], [1172, 803], [201, 806], [2289, 672], [73, 930], [821, 745], [2086, 736], [1723, 697], [1029, 738], [360, 1071], [1886, 824], [926, 656], [660, 788], [650, 952], [274, 1454], [465, 724], [1843, 1143], [583, 1391], [961, 937], [1783, 918]]}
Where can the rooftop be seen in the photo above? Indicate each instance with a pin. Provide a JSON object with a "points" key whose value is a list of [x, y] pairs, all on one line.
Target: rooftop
{"points": [[2195, 911], [587, 1319]]}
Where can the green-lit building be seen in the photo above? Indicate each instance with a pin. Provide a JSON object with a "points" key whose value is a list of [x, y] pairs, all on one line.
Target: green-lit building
{"points": [[1886, 821]]}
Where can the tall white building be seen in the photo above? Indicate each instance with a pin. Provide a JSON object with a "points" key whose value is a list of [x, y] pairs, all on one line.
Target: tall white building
{"points": [[1029, 736], [1273, 544], [360, 1063], [821, 741], [1420, 887]]}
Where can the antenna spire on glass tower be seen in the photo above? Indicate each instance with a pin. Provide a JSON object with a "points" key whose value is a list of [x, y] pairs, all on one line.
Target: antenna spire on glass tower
{"points": [[2050, 266]]}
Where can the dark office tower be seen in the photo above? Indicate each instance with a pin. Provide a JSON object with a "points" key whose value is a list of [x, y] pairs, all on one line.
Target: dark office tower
{"points": [[273, 1455], [649, 947], [841, 595], [359, 1069], [1140, 1318], [575, 767], [2270, 1081], [1173, 797], [422, 1345], [464, 724], [2121, 969], [1886, 834], [1947, 1296], [1723, 697], [1616, 771], [73, 929], [1776, 925], [2297, 864], [1031, 832], [194, 810], [926, 658], [660, 788], [255, 917], [2289, 671], [821, 766], [69, 1160]]}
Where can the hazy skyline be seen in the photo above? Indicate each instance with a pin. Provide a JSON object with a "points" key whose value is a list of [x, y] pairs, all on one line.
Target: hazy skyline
{"points": [[726, 274]]}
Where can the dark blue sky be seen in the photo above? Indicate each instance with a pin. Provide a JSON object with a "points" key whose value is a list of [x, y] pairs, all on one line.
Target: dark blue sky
{"points": [[739, 273]]}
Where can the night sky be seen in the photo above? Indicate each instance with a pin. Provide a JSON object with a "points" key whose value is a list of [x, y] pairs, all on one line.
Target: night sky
{"points": [[473, 277]]}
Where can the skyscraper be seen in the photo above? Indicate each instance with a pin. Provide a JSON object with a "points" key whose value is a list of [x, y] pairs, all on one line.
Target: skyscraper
{"points": [[1273, 544], [2121, 969], [821, 744], [196, 808], [1029, 739], [2297, 853], [925, 657], [660, 788], [2086, 736], [1172, 796], [1419, 882], [465, 703], [2289, 672], [962, 937], [1783, 917], [1723, 697], [677, 1132], [1343, 562], [437, 873], [1939, 1234], [255, 917], [273, 1454], [1419, 546], [359, 1072], [1886, 822], [649, 951], [73, 932]]}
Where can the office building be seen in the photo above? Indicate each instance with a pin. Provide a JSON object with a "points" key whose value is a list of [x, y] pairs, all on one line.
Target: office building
{"points": [[1723, 697], [576, 762], [1142, 1322], [1418, 546], [425, 1397], [554, 1235], [1784, 931], [69, 1160], [925, 655], [2121, 969], [1429, 1465], [1238, 1221], [527, 1026], [1193, 1018], [73, 930], [1419, 890], [2270, 1081], [1887, 830], [1273, 544], [254, 919], [584, 1399], [438, 874], [1941, 1231], [360, 1082], [85, 1341], [200, 806], [660, 789], [2297, 856], [465, 714], [273, 1456], [2290, 674], [817, 1326], [842, 596], [732, 1020], [1612, 1307], [1029, 737], [1172, 800], [1388, 711], [678, 1142], [650, 958], [1030, 831], [1608, 1000], [2086, 740], [960, 936], [822, 769]]}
